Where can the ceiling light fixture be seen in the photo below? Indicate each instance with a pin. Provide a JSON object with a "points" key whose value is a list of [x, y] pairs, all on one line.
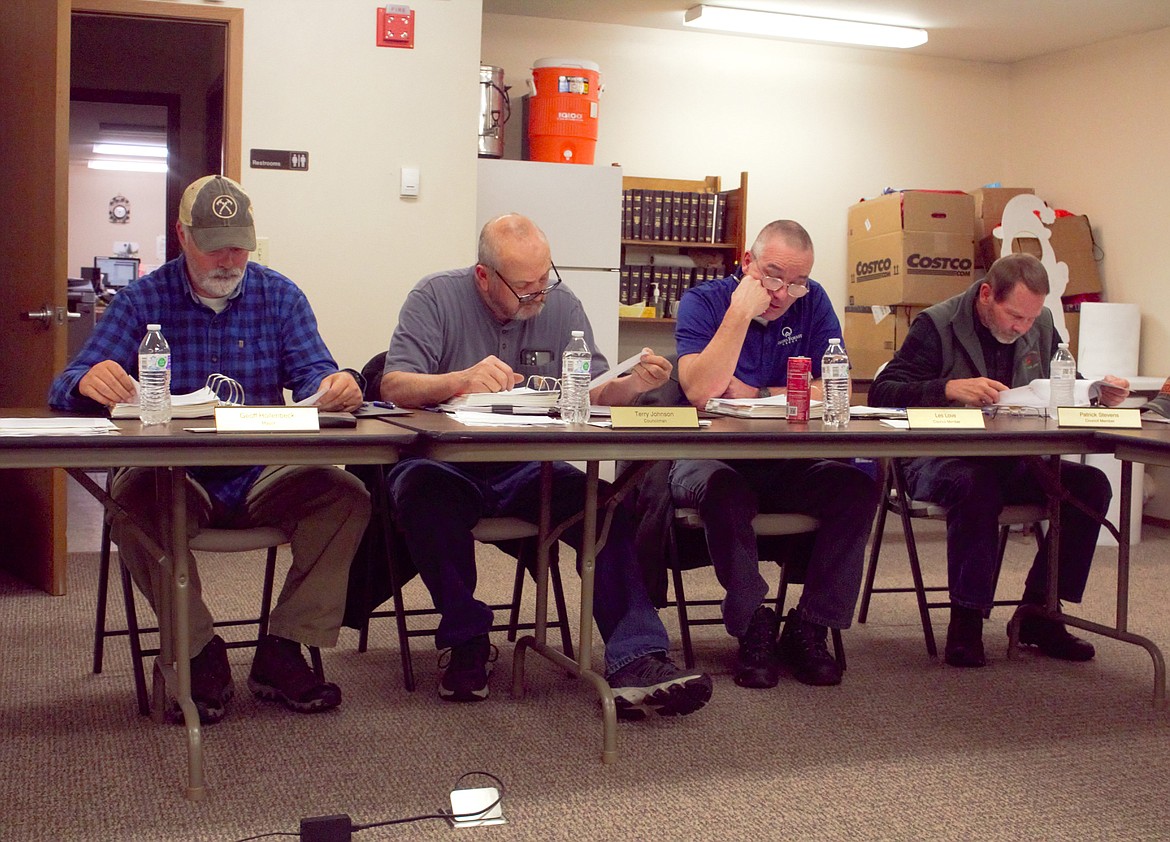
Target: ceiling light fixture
{"points": [[804, 28], [129, 166], [132, 149]]}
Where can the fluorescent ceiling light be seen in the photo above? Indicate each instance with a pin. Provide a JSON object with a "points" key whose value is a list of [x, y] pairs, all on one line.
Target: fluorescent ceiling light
{"points": [[129, 166], [803, 28], [134, 150]]}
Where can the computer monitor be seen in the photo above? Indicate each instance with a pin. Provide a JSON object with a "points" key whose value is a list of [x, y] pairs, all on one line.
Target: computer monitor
{"points": [[117, 272]]}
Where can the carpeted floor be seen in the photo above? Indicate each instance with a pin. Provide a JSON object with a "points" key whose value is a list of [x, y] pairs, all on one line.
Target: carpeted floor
{"points": [[904, 749]]}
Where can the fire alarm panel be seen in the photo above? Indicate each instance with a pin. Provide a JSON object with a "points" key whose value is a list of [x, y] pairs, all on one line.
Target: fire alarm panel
{"points": [[395, 27]]}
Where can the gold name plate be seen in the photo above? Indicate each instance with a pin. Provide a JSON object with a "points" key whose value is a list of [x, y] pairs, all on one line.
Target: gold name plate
{"points": [[654, 417], [944, 418], [1129, 418], [266, 419]]}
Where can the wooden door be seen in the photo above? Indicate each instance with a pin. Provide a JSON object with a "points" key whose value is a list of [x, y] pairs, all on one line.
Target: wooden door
{"points": [[34, 97]]}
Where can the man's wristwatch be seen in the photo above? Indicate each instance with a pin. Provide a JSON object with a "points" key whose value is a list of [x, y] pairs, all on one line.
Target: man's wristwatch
{"points": [[764, 392]]}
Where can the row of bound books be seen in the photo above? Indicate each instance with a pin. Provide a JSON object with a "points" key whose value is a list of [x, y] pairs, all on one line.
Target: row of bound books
{"points": [[673, 216], [639, 283]]}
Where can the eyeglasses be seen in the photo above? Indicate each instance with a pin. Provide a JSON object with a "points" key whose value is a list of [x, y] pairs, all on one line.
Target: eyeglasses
{"points": [[996, 410], [531, 296], [777, 284]]}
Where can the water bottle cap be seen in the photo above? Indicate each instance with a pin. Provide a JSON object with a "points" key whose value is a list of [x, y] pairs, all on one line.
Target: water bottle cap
{"points": [[1063, 345], [835, 340], [154, 327], [579, 333]]}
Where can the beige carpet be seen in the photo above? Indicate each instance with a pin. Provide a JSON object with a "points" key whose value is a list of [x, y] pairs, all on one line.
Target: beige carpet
{"points": [[904, 749]]}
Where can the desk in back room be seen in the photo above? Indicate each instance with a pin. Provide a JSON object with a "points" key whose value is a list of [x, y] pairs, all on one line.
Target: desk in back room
{"points": [[171, 450], [442, 437]]}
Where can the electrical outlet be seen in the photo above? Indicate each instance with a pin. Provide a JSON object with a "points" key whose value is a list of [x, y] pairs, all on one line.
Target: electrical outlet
{"points": [[395, 27], [260, 255]]}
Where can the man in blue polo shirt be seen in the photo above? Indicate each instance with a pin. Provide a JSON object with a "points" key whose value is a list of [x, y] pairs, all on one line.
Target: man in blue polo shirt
{"points": [[734, 338]]}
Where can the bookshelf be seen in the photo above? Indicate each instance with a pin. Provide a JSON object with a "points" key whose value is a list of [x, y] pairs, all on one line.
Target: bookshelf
{"points": [[675, 233]]}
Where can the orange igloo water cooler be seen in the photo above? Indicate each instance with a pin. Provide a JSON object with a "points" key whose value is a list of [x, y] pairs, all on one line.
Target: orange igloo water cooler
{"points": [[562, 111]]}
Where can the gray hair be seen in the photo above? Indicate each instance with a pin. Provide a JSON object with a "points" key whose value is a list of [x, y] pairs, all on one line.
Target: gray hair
{"points": [[1013, 269], [790, 232]]}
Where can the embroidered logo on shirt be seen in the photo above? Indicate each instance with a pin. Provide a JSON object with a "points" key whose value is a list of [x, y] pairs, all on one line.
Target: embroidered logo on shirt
{"points": [[787, 337]]}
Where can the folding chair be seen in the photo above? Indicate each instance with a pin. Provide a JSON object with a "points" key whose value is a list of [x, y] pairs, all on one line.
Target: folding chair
{"points": [[774, 533], [895, 499]]}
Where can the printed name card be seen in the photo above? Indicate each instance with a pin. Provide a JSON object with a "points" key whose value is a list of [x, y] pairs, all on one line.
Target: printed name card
{"points": [[1129, 418], [266, 419], [945, 418], [654, 417]]}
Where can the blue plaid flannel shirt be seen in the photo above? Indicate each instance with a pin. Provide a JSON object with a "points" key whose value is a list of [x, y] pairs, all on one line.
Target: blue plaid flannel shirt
{"points": [[266, 339]]}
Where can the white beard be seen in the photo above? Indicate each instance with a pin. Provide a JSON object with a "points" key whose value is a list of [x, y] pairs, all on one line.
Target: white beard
{"points": [[220, 283]]}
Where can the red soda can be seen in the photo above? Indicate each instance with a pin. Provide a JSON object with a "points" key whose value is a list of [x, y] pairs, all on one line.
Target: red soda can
{"points": [[799, 381]]}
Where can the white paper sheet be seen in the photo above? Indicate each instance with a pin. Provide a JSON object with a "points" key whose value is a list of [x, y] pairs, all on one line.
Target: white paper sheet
{"points": [[1110, 337], [618, 370]]}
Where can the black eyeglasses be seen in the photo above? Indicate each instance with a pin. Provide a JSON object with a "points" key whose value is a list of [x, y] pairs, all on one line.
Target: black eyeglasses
{"points": [[530, 296]]}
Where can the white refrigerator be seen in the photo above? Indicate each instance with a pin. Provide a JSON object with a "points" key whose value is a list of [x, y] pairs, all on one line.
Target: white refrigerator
{"points": [[579, 208]]}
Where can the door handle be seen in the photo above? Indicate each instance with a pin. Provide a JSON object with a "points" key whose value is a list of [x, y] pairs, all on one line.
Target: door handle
{"points": [[47, 315]]}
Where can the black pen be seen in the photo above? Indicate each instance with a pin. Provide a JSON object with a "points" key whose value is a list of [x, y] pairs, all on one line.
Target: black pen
{"points": [[509, 409]]}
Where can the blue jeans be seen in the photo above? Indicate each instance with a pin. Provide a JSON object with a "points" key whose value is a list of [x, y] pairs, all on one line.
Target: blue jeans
{"points": [[729, 494], [975, 490], [436, 505]]}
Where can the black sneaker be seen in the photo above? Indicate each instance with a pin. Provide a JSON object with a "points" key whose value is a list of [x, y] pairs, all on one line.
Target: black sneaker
{"points": [[965, 638], [756, 664], [466, 668], [802, 646], [280, 674], [211, 683], [1053, 639], [653, 684]]}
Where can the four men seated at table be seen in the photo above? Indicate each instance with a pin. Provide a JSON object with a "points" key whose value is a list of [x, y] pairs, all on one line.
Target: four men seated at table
{"points": [[490, 326]]}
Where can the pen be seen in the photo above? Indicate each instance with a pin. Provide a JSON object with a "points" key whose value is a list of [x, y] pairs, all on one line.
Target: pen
{"points": [[508, 409], [383, 404]]}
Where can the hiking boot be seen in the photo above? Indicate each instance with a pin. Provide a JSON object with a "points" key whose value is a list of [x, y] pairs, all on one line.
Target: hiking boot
{"points": [[965, 638], [280, 674], [466, 668], [211, 683], [1053, 639], [802, 646], [756, 664], [653, 684]]}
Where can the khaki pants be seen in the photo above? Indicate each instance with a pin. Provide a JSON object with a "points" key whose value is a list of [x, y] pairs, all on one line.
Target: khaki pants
{"points": [[323, 509]]}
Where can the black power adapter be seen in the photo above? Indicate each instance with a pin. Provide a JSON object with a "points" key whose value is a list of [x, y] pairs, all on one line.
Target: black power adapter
{"points": [[327, 829]]}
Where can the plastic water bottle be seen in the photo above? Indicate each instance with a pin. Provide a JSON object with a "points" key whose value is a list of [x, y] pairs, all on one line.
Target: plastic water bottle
{"points": [[575, 376], [835, 379], [1063, 378], [154, 377]]}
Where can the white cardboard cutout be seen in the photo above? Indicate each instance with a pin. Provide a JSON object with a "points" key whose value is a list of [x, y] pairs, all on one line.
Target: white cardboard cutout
{"points": [[1020, 220]]}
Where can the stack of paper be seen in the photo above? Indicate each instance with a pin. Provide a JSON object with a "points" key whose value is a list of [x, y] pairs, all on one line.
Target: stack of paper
{"points": [[520, 396], [775, 406], [198, 404]]}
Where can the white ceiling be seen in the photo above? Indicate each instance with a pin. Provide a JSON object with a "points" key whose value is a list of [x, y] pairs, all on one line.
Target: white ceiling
{"points": [[1001, 31]]}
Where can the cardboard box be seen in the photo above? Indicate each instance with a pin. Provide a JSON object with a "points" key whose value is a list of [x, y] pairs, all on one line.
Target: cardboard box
{"points": [[909, 267], [913, 210], [1072, 322], [873, 334], [989, 204], [1072, 243]]}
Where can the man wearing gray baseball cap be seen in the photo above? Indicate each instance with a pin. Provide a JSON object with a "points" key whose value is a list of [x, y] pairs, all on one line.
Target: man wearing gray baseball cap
{"points": [[222, 314]]}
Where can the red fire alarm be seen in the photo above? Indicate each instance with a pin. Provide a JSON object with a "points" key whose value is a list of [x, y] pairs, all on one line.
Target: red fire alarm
{"points": [[395, 27]]}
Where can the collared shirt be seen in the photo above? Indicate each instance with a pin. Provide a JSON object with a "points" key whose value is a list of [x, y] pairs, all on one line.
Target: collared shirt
{"points": [[803, 330], [266, 339], [445, 326]]}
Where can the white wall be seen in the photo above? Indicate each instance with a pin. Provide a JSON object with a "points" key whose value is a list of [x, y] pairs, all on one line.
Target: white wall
{"points": [[314, 80], [816, 128], [1090, 132]]}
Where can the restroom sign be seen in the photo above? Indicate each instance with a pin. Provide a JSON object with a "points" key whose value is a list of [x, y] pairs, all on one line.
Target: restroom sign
{"points": [[278, 159]]}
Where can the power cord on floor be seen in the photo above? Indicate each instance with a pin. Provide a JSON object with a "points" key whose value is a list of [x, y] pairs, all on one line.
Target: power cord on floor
{"points": [[340, 828]]}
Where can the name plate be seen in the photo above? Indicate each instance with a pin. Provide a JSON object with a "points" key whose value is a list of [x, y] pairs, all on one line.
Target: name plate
{"points": [[266, 419], [944, 418], [1129, 418], [654, 417]]}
